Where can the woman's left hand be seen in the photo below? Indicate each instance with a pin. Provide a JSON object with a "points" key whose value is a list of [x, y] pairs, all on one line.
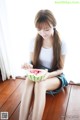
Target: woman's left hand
{"points": [[47, 76]]}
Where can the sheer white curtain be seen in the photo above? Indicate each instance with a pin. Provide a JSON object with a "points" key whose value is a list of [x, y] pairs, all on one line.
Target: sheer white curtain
{"points": [[4, 63], [20, 20]]}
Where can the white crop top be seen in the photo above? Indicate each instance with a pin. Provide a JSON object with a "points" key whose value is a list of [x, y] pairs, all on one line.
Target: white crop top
{"points": [[46, 54]]}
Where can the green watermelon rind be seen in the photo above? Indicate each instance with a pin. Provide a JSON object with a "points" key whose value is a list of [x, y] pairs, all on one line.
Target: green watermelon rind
{"points": [[35, 78]]}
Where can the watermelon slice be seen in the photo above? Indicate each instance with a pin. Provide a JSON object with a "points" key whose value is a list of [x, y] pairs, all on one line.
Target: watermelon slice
{"points": [[36, 74]]}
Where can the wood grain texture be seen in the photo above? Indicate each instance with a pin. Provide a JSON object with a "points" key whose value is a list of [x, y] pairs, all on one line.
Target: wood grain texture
{"points": [[57, 108], [63, 106], [73, 108]]}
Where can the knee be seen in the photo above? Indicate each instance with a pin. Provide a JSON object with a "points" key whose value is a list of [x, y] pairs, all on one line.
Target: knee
{"points": [[28, 83], [39, 86]]}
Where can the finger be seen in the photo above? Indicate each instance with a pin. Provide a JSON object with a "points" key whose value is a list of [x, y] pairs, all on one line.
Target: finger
{"points": [[23, 67], [30, 66]]}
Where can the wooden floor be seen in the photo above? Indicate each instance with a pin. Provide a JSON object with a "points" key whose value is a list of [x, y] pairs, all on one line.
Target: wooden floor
{"points": [[63, 106]]}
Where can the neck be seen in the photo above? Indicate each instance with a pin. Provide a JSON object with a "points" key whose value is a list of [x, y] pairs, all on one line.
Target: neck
{"points": [[47, 43]]}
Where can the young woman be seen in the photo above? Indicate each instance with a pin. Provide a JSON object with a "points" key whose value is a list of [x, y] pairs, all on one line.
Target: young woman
{"points": [[47, 52]]}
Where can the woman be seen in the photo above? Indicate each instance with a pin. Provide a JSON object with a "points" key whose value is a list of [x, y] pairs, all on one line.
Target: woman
{"points": [[47, 52]]}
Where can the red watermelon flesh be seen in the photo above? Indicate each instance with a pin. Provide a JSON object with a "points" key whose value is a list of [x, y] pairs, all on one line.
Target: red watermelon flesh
{"points": [[35, 71]]}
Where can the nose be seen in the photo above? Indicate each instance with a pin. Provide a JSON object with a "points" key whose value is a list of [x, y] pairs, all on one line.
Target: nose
{"points": [[42, 32]]}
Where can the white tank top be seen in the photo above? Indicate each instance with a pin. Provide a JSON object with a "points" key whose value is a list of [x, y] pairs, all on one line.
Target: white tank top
{"points": [[46, 57], [46, 54]]}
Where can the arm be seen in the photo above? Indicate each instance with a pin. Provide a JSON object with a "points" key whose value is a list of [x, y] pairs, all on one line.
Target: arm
{"points": [[28, 65], [57, 72]]}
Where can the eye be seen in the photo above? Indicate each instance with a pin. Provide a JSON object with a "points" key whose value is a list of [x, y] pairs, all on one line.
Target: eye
{"points": [[47, 29]]}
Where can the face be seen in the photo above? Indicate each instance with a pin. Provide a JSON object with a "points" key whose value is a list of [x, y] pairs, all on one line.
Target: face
{"points": [[46, 31]]}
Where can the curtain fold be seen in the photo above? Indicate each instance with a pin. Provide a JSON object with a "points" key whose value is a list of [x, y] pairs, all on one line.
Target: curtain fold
{"points": [[4, 63]]}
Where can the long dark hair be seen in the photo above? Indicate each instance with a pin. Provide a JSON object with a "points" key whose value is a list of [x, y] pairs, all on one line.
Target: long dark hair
{"points": [[46, 16]]}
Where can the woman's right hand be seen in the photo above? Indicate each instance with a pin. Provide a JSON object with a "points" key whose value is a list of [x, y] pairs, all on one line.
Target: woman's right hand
{"points": [[27, 66]]}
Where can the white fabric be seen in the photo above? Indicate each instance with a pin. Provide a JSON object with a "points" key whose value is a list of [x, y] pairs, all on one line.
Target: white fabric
{"points": [[46, 54], [46, 57], [4, 63]]}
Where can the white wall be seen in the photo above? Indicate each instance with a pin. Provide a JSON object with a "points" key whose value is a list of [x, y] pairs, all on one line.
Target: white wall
{"points": [[21, 13]]}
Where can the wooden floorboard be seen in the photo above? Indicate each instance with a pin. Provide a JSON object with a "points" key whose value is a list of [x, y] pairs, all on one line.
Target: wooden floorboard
{"points": [[73, 109], [15, 115], [12, 102], [3, 84], [62, 106], [8, 90], [57, 108]]}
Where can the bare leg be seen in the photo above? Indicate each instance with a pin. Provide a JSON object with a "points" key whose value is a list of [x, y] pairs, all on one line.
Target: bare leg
{"points": [[39, 101], [26, 99], [40, 96]]}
